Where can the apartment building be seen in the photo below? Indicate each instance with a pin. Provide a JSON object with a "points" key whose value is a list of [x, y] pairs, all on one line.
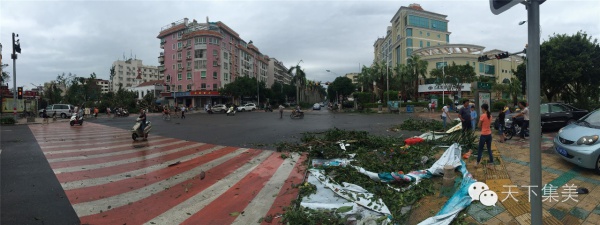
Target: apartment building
{"points": [[277, 73], [126, 72], [353, 77], [104, 85], [199, 58]]}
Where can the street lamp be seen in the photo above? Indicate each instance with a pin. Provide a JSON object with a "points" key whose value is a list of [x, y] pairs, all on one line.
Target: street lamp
{"points": [[444, 78]]}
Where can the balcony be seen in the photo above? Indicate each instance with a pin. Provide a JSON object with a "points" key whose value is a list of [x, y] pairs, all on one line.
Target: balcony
{"points": [[161, 68], [189, 57]]}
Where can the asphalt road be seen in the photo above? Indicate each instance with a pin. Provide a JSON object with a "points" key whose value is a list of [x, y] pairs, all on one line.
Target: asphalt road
{"points": [[261, 129]]}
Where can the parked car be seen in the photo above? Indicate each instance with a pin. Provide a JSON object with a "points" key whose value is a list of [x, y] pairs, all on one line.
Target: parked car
{"points": [[558, 115], [317, 106], [62, 110], [247, 107], [219, 108], [578, 142]]}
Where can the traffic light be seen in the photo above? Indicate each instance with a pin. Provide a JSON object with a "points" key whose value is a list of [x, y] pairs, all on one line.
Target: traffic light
{"points": [[483, 58], [20, 92], [502, 55]]}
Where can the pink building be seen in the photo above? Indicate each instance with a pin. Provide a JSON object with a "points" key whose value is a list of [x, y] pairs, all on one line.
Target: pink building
{"points": [[199, 58]]}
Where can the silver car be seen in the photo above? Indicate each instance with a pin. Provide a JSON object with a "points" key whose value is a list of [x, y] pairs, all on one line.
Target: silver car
{"points": [[578, 142]]}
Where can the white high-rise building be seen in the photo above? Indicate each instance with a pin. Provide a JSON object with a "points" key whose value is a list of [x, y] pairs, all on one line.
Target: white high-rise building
{"points": [[127, 71]]}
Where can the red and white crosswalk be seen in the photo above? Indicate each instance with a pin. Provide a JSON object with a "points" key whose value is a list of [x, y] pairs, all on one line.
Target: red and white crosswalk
{"points": [[111, 179]]}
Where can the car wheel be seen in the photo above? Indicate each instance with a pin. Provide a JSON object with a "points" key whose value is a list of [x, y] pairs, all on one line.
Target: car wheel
{"points": [[222, 111], [64, 116], [508, 134], [134, 136], [72, 123], [598, 165], [243, 110]]}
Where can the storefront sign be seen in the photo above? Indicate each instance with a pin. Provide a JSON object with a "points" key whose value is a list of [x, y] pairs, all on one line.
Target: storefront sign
{"points": [[182, 94], [425, 88], [204, 93]]}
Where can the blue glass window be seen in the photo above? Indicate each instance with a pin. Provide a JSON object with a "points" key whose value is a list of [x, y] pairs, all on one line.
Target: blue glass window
{"points": [[409, 52], [439, 65], [409, 42], [408, 32], [421, 44], [398, 54], [418, 21], [428, 44], [447, 38], [439, 25]]}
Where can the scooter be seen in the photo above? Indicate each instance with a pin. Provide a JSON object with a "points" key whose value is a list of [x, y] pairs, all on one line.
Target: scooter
{"points": [[76, 120], [137, 132], [297, 114], [268, 109], [231, 111]]}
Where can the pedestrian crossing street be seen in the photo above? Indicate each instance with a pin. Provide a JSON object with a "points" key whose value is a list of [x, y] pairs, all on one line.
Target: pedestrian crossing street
{"points": [[111, 179]]}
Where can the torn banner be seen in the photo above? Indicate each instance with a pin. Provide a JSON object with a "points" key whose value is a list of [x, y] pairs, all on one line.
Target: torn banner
{"points": [[450, 157]]}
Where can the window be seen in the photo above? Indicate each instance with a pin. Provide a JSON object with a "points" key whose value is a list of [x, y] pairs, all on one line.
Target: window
{"points": [[215, 75], [409, 42], [215, 52], [178, 65], [179, 45], [447, 38], [439, 65], [174, 45], [189, 53], [179, 87], [178, 76], [418, 21], [203, 74], [199, 53], [544, 109], [189, 65], [428, 44], [174, 36], [398, 54], [215, 64], [173, 66], [226, 76], [189, 87], [215, 87], [226, 55], [427, 34], [179, 34], [409, 52], [438, 35], [421, 44], [408, 32], [203, 86], [189, 75], [200, 40], [439, 25], [226, 66], [173, 56], [179, 55], [189, 42]]}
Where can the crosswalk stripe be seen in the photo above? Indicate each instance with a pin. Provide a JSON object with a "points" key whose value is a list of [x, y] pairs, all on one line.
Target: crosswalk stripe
{"points": [[236, 198], [253, 212], [134, 183], [135, 173], [151, 206], [141, 155], [116, 167], [106, 149], [97, 146], [78, 142], [107, 155]]}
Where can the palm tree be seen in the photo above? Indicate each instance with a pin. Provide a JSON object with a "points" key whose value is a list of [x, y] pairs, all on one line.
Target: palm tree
{"points": [[416, 67], [299, 79]]}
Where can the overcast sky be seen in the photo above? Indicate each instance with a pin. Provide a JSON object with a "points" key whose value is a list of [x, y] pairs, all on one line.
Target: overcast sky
{"points": [[82, 37]]}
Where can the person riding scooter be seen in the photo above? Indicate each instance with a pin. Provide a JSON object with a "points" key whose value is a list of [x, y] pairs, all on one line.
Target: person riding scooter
{"points": [[143, 122]]}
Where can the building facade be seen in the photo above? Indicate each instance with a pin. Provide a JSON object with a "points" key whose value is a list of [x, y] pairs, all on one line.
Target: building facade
{"points": [[126, 72], [104, 85], [199, 58], [153, 87], [277, 73], [353, 77]]}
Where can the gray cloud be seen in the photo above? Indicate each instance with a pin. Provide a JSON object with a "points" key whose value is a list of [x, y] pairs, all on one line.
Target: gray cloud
{"points": [[83, 37]]}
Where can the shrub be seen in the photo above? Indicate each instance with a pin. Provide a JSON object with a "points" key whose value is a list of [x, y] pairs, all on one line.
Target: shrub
{"points": [[7, 121], [498, 105]]}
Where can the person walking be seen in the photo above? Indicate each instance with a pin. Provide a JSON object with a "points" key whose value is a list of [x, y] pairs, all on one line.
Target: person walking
{"points": [[486, 136], [525, 113], [429, 107], [183, 112], [501, 117], [281, 107], [45, 116], [473, 117], [445, 115], [433, 105], [465, 116], [96, 112]]}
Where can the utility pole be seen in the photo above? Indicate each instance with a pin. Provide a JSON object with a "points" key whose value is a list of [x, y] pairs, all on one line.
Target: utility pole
{"points": [[16, 48]]}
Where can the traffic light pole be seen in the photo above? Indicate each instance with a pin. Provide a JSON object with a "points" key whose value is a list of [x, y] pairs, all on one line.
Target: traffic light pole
{"points": [[14, 58], [533, 88]]}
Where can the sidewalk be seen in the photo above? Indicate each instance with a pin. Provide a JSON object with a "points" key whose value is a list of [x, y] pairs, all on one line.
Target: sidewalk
{"points": [[511, 174]]}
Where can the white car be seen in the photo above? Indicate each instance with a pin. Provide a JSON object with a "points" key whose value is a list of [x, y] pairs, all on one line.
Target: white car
{"points": [[317, 106], [247, 107]]}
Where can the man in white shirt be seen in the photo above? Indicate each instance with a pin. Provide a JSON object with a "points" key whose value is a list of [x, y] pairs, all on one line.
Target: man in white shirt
{"points": [[445, 114]]}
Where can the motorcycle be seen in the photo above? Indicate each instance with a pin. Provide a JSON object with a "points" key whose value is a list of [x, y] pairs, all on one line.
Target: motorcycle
{"points": [[512, 127], [76, 120], [268, 109], [231, 111], [137, 132], [297, 114]]}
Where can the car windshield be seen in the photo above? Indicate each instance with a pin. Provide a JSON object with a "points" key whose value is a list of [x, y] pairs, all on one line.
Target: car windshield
{"points": [[591, 119]]}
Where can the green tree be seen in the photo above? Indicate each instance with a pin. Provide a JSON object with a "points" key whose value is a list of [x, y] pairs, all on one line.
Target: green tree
{"points": [[340, 86], [299, 80], [416, 68], [455, 76], [5, 78], [514, 88]]}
